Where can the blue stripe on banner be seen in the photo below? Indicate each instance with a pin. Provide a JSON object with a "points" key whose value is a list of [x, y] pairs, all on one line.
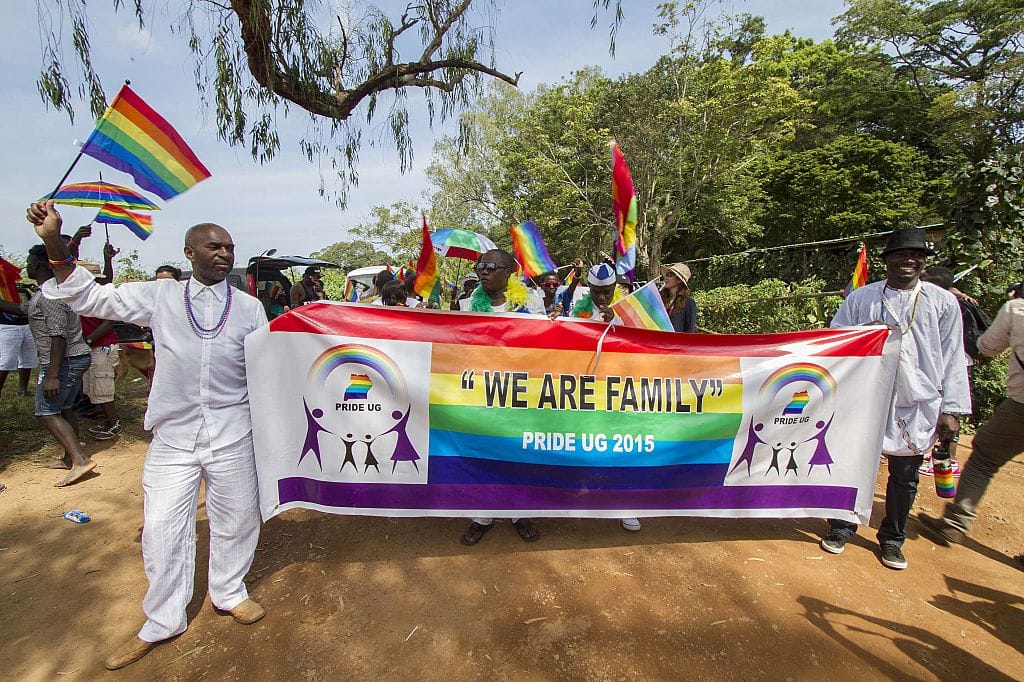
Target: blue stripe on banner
{"points": [[666, 453], [113, 154], [475, 471]]}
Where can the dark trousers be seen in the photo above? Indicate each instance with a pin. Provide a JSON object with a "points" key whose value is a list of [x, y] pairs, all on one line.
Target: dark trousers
{"points": [[998, 441], [900, 493]]}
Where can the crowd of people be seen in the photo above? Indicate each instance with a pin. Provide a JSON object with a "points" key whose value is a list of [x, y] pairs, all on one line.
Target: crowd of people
{"points": [[201, 425]]}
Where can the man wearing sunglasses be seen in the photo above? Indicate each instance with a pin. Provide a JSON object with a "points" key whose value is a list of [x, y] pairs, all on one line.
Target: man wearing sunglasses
{"points": [[500, 291]]}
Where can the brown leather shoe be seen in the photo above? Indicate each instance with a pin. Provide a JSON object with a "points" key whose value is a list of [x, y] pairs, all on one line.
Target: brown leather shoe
{"points": [[131, 651], [248, 612]]}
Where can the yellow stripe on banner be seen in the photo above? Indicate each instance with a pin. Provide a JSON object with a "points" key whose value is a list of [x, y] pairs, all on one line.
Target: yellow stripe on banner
{"points": [[144, 140], [447, 389]]}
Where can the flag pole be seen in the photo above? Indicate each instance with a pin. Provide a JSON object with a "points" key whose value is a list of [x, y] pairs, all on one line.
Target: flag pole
{"points": [[65, 176]]}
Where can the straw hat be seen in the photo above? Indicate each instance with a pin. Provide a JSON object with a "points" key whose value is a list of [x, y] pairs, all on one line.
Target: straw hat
{"points": [[680, 270]]}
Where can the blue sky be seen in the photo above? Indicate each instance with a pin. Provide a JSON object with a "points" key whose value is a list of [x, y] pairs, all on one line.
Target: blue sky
{"points": [[277, 205]]}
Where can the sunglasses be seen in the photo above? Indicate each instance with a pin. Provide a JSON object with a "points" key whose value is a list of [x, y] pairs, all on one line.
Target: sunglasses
{"points": [[490, 267], [550, 285]]}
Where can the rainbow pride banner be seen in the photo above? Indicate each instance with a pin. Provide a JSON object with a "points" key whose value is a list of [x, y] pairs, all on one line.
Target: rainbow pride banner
{"points": [[416, 412]]}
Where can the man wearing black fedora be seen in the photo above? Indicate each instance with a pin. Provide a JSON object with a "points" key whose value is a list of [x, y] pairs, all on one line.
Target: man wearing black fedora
{"points": [[931, 382]]}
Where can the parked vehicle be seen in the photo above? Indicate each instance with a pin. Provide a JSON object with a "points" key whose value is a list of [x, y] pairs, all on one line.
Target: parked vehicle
{"points": [[363, 279]]}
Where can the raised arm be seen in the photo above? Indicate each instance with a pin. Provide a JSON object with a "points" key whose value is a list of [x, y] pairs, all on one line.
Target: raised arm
{"points": [[132, 302]]}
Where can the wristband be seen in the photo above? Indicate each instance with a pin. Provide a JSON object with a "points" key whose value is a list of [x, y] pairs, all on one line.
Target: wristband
{"points": [[69, 261]]}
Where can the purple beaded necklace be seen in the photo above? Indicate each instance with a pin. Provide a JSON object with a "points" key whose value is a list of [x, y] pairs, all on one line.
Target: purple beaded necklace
{"points": [[198, 329]]}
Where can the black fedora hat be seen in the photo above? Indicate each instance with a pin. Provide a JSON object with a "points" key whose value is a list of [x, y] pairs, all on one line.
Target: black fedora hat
{"points": [[907, 238]]}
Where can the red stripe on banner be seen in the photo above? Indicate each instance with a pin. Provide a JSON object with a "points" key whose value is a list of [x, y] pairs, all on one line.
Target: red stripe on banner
{"points": [[523, 331]]}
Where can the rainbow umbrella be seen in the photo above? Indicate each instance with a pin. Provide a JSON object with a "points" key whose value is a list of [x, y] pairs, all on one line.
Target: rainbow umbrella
{"points": [[460, 243], [99, 193]]}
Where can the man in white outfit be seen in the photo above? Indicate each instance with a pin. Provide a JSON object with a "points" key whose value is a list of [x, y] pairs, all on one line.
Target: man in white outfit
{"points": [[931, 382], [199, 414]]}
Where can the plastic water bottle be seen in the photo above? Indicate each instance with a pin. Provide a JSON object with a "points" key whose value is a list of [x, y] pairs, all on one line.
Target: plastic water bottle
{"points": [[945, 484]]}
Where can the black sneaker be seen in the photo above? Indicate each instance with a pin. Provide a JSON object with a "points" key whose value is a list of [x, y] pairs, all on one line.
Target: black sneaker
{"points": [[833, 542], [893, 557]]}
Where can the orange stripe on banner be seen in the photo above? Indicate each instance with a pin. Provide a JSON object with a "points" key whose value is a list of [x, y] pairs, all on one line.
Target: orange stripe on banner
{"points": [[454, 359]]}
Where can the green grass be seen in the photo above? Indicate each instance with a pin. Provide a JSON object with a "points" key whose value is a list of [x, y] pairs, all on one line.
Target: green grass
{"points": [[23, 437]]}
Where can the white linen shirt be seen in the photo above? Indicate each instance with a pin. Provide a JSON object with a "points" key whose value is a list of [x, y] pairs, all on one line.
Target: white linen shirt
{"points": [[197, 381], [932, 376]]}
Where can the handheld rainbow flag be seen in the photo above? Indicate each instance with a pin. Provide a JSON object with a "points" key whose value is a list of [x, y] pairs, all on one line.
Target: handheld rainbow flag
{"points": [[644, 309], [133, 138], [428, 275], [350, 292], [624, 208], [860, 272], [141, 225], [530, 250], [9, 276]]}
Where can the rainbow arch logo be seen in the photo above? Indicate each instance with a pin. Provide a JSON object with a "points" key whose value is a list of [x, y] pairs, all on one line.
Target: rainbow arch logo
{"points": [[786, 375], [362, 356]]}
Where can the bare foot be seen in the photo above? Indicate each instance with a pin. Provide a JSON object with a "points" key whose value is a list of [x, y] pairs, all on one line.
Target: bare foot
{"points": [[57, 464], [76, 474]]}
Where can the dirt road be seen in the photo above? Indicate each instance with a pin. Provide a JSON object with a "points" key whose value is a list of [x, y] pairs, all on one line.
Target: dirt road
{"points": [[372, 598]]}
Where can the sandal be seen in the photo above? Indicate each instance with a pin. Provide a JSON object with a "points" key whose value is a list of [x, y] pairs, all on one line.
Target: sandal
{"points": [[475, 533], [526, 530]]}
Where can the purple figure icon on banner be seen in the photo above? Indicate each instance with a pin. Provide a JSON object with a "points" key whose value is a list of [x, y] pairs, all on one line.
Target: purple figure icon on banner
{"points": [[405, 451], [313, 431]]}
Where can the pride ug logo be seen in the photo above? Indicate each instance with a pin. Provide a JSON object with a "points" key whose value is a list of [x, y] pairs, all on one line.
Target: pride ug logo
{"points": [[790, 421], [357, 401]]}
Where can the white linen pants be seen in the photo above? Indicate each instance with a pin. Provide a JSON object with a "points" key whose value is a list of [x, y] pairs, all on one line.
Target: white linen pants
{"points": [[170, 480]]}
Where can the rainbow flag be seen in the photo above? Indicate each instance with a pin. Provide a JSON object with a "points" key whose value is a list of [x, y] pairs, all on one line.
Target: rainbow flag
{"points": [[141, 225], [644, 309], [860, 271], [10, 274], [428, 275], [359, 387], [530, 250], [350, 291], [132, 137], [624, 208], [571, 277]]}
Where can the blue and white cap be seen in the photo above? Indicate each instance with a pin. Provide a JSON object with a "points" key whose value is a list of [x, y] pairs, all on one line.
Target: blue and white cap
{"points": [[601, 275]]}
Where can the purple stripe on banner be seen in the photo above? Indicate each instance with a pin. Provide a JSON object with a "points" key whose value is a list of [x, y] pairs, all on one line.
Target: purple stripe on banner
{"points": [[472, 470], [513, 497]]}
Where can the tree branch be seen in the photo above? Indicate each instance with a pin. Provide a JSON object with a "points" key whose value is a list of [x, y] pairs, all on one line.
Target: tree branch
{"points": [[257, 40], [442, 29]]}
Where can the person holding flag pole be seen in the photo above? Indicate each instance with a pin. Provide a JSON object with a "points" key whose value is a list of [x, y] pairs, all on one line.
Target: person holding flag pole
{"points": [[199, 414]]}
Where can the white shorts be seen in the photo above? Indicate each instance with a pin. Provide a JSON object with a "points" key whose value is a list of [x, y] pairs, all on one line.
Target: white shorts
{"points": [[98, 381], [17, 349]]}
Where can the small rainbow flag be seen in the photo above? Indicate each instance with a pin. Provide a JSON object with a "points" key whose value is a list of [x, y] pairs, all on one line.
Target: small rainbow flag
{"points": [[9, 276], [571, 277], [428, 275], [359, 386], [141, 225], [644, 309], [860, 272], [797, 404], [350, 291], [530, 250], [624, 209], [133, 138]]}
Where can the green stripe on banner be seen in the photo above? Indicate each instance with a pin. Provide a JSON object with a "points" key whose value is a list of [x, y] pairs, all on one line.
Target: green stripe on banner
{"points": [[509, 423]]}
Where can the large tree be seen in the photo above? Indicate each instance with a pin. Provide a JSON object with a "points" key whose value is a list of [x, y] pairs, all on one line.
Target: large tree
{"points": [[256, 60]]}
